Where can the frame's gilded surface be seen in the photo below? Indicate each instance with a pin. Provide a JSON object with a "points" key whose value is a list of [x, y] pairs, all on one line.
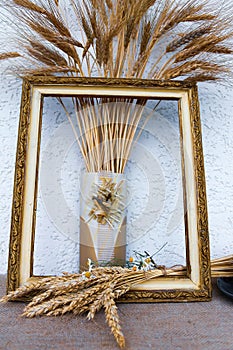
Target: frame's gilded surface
{"points": [[196, 285]]}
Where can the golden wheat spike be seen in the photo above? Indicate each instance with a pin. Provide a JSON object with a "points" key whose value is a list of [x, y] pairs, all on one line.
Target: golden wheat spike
{"points": [[7, 55]]}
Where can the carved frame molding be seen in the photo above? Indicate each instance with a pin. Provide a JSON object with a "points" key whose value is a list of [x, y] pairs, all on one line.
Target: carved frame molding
{"points": [[203, 290]]}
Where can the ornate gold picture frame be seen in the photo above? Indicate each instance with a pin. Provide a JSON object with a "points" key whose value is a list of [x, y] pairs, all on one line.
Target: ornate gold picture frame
{"points": [[195, 283]]}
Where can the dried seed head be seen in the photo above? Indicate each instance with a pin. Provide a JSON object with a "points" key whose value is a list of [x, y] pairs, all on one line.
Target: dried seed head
{"points": [[6, 55]]}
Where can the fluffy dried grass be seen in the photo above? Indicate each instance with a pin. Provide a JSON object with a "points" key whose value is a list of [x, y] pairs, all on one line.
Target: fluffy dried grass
{"points": [[120, 37]]}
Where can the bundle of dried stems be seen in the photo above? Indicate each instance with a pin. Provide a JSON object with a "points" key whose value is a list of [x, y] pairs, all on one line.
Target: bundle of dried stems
{"points": [[107, 129], [84, 293], [111, 38], [157, 39], [89, 292], [222, 267]]}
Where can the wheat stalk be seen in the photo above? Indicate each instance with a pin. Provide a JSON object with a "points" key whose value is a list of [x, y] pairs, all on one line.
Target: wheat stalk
{"points": [[7, 55], [106, 132], [112, 317], [193, 66]]}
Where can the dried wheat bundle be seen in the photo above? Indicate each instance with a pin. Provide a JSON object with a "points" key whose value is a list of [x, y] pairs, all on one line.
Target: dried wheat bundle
{"points": [[93, 290], [158, 39], [107, 129], [85, 293], [222, 267]]}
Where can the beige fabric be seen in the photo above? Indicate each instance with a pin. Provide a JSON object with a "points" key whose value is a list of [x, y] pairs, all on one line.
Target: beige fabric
{"points": [[181, 326]]}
